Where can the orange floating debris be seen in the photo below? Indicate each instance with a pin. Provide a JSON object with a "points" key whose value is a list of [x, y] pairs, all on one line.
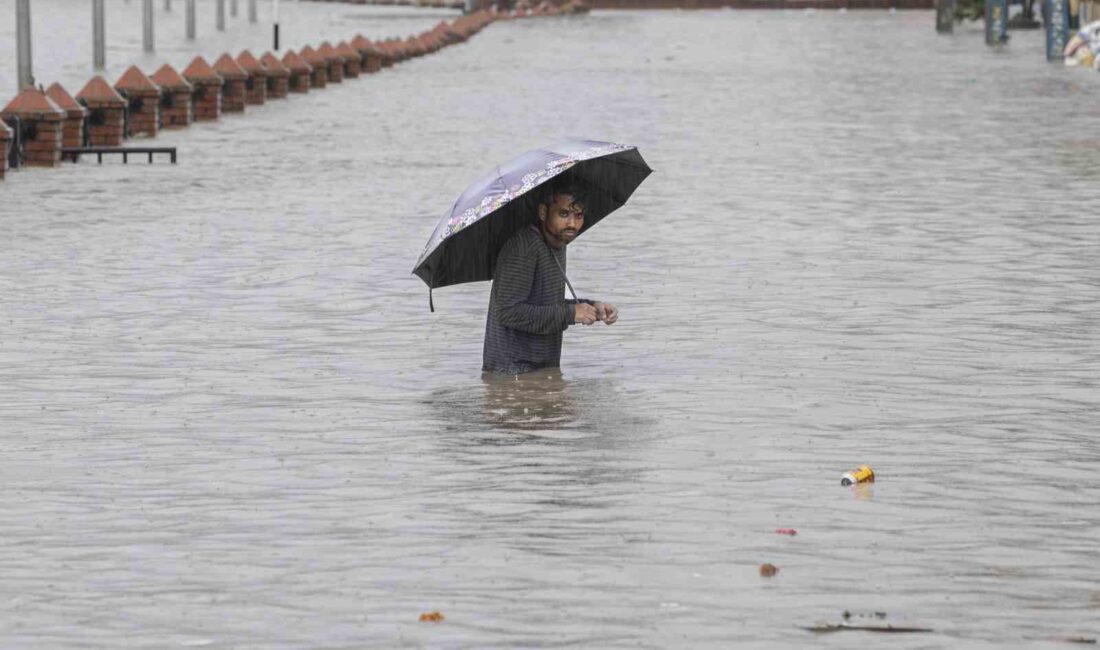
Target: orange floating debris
{"points": [[768, 570], [431, 617]]}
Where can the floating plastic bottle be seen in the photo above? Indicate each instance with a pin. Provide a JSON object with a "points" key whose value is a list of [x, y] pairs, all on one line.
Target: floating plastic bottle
{"points": [[861, 474]]}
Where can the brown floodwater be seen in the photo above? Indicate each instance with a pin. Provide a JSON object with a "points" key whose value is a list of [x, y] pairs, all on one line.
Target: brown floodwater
{"points": [[229, 420]]}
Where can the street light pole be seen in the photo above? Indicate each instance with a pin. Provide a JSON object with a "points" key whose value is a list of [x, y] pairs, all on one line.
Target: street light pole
{"points": [[147, 25], [99, 35], [23, 43]]}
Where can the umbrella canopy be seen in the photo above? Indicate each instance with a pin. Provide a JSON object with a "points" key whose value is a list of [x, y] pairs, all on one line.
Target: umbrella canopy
{"points": [[465, 244]]}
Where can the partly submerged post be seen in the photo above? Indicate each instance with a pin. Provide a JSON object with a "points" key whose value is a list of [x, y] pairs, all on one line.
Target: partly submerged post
{"points": [[221, 15], [275, 12], [1057, 25], [190, 20], [233, 8], [945, 16], [147, 25], [252, 12], [996, 22], [99, 35], [168, 6], [23, 43]]}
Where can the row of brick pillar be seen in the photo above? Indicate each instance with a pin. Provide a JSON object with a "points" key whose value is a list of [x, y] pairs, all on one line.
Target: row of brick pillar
{"points": [[138, 105]]}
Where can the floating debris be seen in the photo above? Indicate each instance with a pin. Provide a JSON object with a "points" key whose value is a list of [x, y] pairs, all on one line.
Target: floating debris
{"points": [[786, 531], [768, 570], [431, 617], [889, 629], [861, 474]]}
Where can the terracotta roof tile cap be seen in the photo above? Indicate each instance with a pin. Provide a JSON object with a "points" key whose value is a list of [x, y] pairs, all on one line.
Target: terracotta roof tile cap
{"points": [[228, 68], [200, 69], [329, 52], [98, 91], [167, 77], [135, 80], [32, 102], [347, 51], [249, 63], [312, 57], [296, 63], [62, 98], [274, 66]]}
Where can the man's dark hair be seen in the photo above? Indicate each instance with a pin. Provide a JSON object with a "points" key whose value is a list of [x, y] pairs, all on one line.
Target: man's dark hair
{"points": [[569, 186]]}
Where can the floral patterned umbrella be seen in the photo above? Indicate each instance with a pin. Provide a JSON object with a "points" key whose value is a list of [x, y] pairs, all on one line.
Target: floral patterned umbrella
{"points": [[465, 244]]}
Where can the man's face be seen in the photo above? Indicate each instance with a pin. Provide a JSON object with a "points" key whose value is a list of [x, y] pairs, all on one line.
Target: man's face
{"points": [[562, 220]]}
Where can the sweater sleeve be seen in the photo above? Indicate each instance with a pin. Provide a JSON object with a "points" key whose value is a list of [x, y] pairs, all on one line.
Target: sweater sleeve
{"points": [[516, 275]]}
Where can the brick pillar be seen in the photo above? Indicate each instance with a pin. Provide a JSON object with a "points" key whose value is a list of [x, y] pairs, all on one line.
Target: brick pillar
{"points": [[175, 99], [206, 98], [352, 59], [256, 85], [41, 124], [334, 61], [5, 147], [278, 76], [106, 113], [72, 130], [319, 77], [143, 101], [234, 92], [301, 72]]}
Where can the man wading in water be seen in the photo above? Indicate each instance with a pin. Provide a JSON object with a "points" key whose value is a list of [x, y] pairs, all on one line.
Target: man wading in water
{"points": [[527, 311]]}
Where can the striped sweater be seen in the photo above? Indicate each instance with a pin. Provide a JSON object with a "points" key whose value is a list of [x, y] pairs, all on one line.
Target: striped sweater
{"points": [[527, 313]]}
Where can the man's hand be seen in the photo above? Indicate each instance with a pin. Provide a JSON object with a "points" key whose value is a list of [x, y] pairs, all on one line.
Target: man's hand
{"points": [[607, 313], [585, 314]]}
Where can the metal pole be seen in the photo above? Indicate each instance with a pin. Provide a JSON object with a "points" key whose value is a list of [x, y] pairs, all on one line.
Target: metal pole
{"points": [[23, 43], [221, 15], [252, 11], [233, 8], [190, 20], [1057, 24], [945, 16], [99, 35], [147, 25], [996, 19], [275, 12]]}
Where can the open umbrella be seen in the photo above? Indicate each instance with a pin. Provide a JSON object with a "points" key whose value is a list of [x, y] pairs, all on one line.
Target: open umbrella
{"points": [[465, 243]]}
